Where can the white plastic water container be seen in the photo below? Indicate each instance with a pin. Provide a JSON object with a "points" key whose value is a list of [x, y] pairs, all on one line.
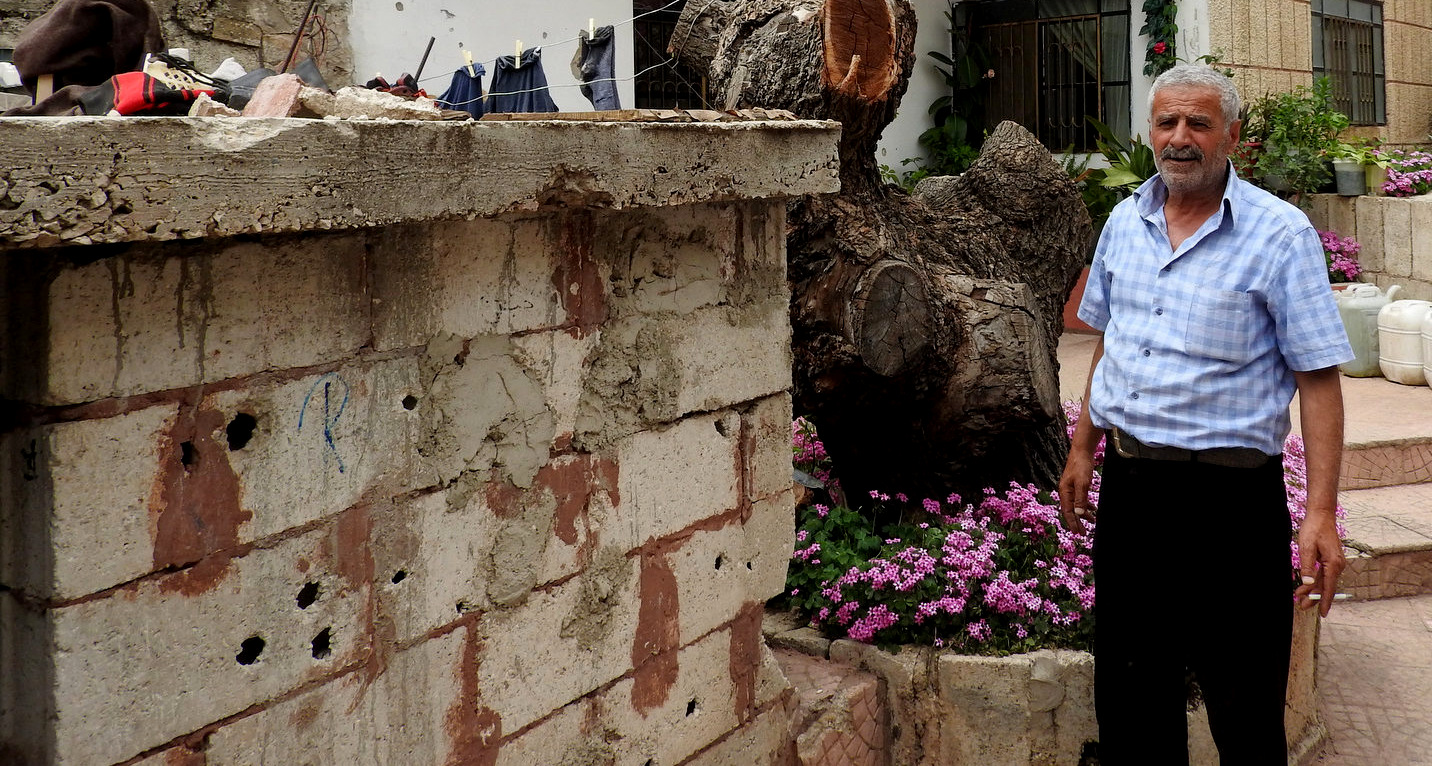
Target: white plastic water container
{"points": [[1399, 331], [1427, 348], [1359, 306]]}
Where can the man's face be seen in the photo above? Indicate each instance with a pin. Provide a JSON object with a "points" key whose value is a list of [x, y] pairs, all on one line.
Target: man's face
{"points": [[1190, 140]]}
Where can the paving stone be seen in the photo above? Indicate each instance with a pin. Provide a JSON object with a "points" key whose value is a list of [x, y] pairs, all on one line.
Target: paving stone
{"points": [[1379, 534], [1375, 682]]}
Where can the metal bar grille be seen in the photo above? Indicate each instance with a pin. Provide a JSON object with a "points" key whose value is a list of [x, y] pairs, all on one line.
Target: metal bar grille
{"points": [[674, 86], [1051, 73], [1350, 49], [1069, 81]]}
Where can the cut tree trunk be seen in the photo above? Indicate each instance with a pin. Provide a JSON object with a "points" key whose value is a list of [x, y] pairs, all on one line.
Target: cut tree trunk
{"points": [[926, 325]]}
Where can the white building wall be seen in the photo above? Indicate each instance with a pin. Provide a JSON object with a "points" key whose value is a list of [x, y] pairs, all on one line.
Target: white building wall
{"points": [[388, 36], [902, 136]]}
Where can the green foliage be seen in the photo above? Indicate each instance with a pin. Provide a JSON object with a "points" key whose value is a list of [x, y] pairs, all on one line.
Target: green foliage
{"points": [[1130, 164], [1290, 136], [1160, 31]]}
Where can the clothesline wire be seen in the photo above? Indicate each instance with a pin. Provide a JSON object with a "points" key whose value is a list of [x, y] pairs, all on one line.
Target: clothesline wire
{"points": [[671, 60], [560, 43], [667, 62]]}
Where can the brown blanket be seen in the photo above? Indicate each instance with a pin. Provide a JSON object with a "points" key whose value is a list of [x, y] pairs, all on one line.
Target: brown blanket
{"points": [[86, 42]]}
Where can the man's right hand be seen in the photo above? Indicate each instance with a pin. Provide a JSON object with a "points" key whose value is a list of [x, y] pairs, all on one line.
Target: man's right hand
{"points": [[1079, 467], [1074, 484]]}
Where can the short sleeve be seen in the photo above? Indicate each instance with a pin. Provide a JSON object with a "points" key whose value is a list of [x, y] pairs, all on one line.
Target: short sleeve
{"points": [[1094, 308], [1310, 332]]}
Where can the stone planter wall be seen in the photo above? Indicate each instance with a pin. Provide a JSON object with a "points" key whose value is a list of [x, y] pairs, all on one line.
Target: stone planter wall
{"points": [[1395, 234], [394, 443], [1032, 709]]}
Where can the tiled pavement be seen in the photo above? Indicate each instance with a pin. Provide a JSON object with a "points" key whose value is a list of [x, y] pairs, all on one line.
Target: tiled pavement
{"points": [[1375, 680], [1375, 656]]}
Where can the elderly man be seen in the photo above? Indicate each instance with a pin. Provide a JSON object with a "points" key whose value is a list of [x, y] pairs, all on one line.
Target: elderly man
{"points": [[1213, 301]]}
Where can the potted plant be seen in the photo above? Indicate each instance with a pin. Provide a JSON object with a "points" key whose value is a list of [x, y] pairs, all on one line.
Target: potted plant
{"points": [[1374, 166], [1296, 132], [1348, 159]]}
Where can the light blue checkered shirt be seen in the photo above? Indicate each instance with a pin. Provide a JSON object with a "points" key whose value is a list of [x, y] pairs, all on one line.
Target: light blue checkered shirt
{"points": [[1200, 344]]}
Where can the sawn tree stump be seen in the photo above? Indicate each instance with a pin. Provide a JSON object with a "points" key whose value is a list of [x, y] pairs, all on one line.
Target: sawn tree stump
{"points": [[925, 325]]}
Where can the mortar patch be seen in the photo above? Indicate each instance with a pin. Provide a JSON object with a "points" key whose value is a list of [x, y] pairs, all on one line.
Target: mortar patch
{"points": [[194, 503], [658, 635], [475, 730], [745, 658]]}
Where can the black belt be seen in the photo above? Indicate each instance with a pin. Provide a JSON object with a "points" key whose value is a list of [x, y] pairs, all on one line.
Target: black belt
{"points": [[1228, 457]]}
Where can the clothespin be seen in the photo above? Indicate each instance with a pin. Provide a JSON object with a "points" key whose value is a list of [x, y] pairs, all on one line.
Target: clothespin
{"points": [[591, 28], [467, 57], [44, 87], [517, 57]]}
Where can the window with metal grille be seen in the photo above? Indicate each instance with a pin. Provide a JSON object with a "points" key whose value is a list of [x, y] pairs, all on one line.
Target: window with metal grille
{"points": [[1347, 49], [658, 86], [1054, 62]]}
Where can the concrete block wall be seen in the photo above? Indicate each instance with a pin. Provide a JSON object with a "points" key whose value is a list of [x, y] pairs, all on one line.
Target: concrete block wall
{"points": [[506, 482], [1268, 44], [1395, 234]]}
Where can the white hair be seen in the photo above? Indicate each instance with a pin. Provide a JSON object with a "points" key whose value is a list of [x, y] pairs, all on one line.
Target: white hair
{"points": [[1201, 76]]}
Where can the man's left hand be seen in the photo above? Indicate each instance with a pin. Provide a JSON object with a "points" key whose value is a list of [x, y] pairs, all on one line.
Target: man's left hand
{"points": [[1321, 561]]}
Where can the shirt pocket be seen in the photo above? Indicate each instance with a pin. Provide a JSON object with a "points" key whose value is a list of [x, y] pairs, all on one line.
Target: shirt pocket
{"points": [[1221, 326]]}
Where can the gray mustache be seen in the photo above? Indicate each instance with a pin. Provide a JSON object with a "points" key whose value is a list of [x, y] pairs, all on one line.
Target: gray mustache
{"points": [[1191, 153]]}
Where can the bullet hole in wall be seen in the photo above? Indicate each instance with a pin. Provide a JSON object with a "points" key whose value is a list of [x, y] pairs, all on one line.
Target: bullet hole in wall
{"points": [[250, 650], [719, 561], [187, 455], [399, 576], [323, 644], [410, 402], [691, 707], [307, 595], [240, 430], [748, 565], [721, 427]]}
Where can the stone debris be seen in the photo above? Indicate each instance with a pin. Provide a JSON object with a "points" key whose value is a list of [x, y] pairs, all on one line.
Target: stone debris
{"points": [[208, 107], [364, 104], [276, 96]]}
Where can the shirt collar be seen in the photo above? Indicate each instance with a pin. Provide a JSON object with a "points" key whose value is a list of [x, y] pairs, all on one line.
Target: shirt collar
{"points": [[1150, 196]]}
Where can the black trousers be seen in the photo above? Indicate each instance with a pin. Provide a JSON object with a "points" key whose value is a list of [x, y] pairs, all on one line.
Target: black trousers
{"points": [[1192, 567]]}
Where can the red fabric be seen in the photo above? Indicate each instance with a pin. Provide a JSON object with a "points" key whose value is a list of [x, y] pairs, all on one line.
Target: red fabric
{"points": [[138, 93]]}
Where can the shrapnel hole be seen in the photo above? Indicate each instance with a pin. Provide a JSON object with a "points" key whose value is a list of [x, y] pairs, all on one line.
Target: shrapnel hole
{"points": [[323, 644], [250, 650], [240, 430], [307, 595]]}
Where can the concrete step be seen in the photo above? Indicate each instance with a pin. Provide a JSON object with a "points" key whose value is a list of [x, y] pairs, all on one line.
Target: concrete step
{"points": [[1387, 433], [1386, 464], [1389, 541]]}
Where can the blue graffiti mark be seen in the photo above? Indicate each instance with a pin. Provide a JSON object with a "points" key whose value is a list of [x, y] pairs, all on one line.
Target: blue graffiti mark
{"points": [[330, 415]]}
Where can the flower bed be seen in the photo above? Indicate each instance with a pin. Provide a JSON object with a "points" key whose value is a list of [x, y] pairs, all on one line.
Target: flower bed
{"points": [[997, 576], [1409, 172], [940, 585], [1341, 256]]}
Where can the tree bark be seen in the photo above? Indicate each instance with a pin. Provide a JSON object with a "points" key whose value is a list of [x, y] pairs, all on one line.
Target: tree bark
{"points": [[926, 325]]}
